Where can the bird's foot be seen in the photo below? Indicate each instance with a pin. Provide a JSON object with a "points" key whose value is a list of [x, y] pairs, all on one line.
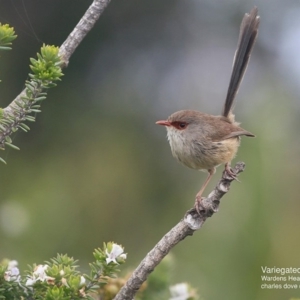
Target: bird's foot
{"points": [[229, 171], [198, 204]]}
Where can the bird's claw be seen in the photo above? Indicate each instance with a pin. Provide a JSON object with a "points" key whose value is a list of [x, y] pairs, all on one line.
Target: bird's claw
{"points": [[198, 205], [231, 173]]}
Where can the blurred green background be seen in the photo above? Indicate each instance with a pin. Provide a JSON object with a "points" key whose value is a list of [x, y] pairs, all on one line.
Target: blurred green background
{"points": [[95, 167]]}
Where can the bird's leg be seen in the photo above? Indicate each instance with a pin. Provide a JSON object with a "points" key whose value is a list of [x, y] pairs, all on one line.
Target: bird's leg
{"points": [[197, 205], [230, 172]]}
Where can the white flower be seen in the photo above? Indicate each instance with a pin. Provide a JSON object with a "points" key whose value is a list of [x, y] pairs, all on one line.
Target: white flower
{"points": [[12, 264], [39, 274], [30, 281], [64, 282], [179, 291], [82, 281], [12, 273], [116, 252]]}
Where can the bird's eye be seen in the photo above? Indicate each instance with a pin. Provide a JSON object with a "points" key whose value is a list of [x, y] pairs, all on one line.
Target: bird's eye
{"points": [[179, 124]]}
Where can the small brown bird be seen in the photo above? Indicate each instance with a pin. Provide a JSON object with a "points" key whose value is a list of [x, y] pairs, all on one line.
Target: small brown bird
{"points": [[202, 141]]}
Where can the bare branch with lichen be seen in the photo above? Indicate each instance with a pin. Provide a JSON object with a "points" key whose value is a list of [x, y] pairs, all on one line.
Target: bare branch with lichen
{"points": [[191, 222]]}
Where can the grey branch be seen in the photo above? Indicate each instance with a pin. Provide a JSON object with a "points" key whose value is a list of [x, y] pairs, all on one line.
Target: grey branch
{"points": [[14, 110], [86, 23], [191, 222]]}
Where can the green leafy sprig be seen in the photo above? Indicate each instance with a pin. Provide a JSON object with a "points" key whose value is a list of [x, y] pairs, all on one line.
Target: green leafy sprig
{"points": [[7, 35], [45, 71]]}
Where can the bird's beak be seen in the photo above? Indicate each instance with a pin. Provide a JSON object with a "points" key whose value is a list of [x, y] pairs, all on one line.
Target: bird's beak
{"points": [[163, 123]]}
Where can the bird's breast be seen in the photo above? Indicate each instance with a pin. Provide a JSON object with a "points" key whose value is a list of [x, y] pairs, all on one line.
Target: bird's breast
{"points": [[201, 153]]}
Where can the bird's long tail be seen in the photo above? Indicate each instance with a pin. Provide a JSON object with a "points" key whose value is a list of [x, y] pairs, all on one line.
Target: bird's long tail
{"points": [[247, 37]]}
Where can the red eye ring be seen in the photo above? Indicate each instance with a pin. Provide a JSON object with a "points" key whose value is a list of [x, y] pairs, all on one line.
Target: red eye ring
{"points": [[180, 125]]}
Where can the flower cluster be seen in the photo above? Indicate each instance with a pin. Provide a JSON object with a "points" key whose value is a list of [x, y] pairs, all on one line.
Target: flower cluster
{"points": [[182, 291], [12, 273], [39, 274], [59, 278]]}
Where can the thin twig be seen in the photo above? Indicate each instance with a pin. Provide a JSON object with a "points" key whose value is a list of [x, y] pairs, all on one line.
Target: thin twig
{"points": [[86, 23], [191, 222]]}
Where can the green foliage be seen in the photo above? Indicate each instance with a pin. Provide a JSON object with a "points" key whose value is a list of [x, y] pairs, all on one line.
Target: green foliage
{"points": [[47, 66], [7, 35], [59, 278], [45, 71]]}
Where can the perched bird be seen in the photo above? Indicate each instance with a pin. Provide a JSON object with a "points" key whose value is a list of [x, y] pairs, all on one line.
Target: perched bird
{"points": [[201, 141]]}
